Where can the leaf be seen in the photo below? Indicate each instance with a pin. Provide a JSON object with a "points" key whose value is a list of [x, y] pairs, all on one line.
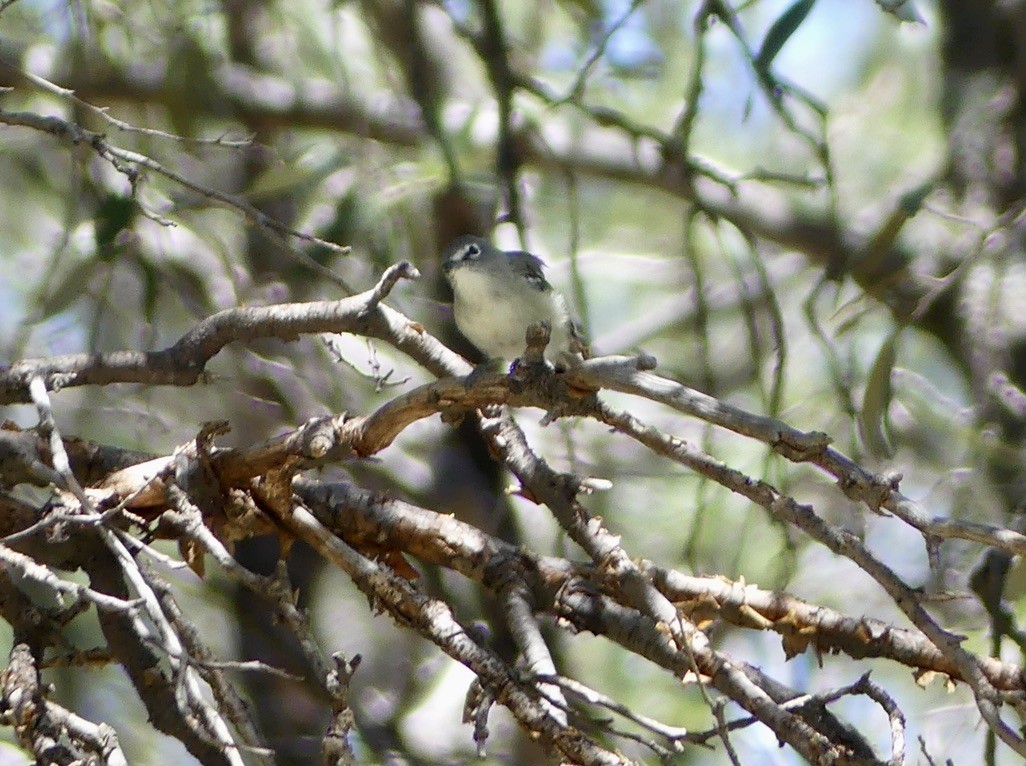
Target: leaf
{"points": [[73, 286], [192, 554], [1015, 580], [781, 32], [298, 176], [912, 200], [152, 286], [908, 205], [115, 214], [873, 420], [189, 284]]}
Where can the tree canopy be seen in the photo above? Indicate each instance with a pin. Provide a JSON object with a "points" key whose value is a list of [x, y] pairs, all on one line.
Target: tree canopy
{"points": [[255, 509]]}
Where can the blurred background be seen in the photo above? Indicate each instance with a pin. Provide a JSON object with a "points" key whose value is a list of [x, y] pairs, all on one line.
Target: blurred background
{"points": [[810, 210]]}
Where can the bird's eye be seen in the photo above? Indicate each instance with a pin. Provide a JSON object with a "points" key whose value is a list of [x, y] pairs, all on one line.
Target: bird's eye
{"points": [[472, 251]]}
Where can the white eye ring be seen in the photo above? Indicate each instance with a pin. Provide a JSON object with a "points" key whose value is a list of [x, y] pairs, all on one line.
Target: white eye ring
{"points": [[472, 251]]}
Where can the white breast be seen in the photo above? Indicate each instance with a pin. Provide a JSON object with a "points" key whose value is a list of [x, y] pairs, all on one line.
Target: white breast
{"points": [[497, 325]]}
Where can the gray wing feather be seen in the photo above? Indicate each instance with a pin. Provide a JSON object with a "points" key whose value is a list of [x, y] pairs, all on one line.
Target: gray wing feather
{"points": [[530, 266]]}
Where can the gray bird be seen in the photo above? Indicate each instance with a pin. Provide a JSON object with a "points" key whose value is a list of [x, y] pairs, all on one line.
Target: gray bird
{"points": [[497, 295]]}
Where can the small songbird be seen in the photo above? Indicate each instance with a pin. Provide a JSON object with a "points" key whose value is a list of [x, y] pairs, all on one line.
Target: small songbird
{"points": [[497, 295]]}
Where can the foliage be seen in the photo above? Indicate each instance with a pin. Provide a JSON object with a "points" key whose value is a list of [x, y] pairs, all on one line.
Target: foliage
{"points": [[778, 507]]}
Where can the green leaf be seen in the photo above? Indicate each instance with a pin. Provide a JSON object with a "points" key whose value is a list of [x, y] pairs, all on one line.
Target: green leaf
{"points": [[781, 32], [908, 205], [74, 285], [115, 214], [912, 200], [152, 286], [189, 285], [874, 423], [299, 176]]}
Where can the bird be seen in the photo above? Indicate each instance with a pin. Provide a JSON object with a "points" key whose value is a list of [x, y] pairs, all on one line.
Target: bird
{"points": [[497, 295]]}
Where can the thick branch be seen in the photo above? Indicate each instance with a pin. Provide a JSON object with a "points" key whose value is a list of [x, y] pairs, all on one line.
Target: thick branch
{"points": [[362, 516], [435, 620]]}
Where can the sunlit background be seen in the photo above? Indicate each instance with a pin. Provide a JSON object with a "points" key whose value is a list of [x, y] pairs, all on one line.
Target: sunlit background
{"points": [[341, 152]]}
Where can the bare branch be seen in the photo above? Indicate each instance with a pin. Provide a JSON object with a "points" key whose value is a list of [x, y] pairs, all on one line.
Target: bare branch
{"points": [[187, 518], [624, 374], [434, 619], [364, 516], [182, 363], [838, 541], [516, 604], [29, 568], [104, 114], [52, 733]]}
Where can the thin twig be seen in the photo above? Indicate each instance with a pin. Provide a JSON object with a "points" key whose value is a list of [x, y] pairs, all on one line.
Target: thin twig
{"points": [[129, 163], [104, 114]]}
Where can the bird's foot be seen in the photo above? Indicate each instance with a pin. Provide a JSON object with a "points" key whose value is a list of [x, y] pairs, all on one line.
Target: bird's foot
{"points": [[523, 370]]}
